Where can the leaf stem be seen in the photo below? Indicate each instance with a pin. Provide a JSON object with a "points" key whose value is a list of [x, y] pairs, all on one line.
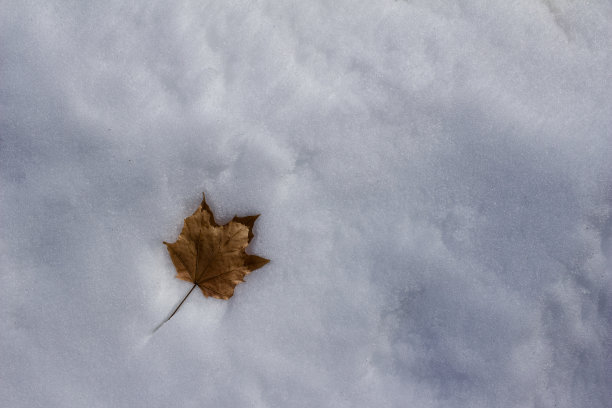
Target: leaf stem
{"points": [[177, 308]]}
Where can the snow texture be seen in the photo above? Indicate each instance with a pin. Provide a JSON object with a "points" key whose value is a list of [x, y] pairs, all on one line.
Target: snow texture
{"points": [[434, 179]]}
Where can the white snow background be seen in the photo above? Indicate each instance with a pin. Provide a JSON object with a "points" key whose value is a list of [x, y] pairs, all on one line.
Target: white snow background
{"points": [[434, 179]]}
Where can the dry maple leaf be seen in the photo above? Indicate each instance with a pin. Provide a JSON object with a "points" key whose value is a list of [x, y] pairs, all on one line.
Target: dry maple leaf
{"points": [[213, 256]]}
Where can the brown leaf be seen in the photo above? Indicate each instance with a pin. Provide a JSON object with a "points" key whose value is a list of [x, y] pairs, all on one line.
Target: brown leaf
{"points": [[213, 256]]}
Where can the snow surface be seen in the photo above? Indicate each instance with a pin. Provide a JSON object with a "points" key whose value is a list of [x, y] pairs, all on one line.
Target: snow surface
{"points": [[434, 179]]}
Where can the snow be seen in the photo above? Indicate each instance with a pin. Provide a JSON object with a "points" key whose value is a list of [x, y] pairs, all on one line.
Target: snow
{"points": [[434, 180]]}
